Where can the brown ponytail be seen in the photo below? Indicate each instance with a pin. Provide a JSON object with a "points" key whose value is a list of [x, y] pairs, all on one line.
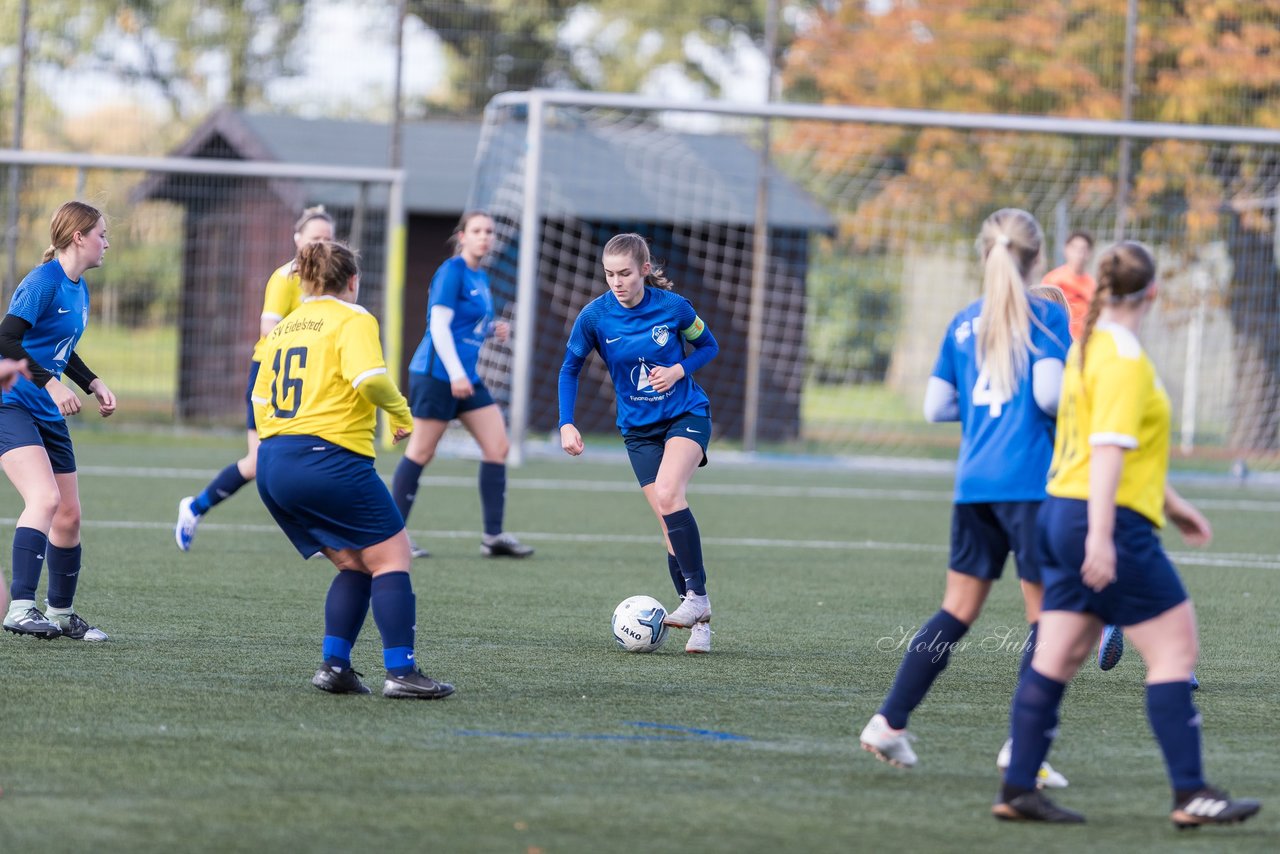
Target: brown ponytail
{"points": [[1125, 270], [325, 267]]}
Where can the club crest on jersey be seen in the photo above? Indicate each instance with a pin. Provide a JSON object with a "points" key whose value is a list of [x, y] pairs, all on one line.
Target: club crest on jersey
{"points": [[661, 334]]}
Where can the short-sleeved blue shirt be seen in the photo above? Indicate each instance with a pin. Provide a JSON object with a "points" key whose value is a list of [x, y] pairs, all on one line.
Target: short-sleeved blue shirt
{"points": [[1005, 446]]}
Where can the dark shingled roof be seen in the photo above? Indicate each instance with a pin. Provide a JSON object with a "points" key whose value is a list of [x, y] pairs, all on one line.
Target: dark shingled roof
{"points": [[636, 174]]}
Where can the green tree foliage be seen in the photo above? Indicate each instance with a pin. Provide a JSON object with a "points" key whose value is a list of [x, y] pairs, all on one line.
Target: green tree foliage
{"points": [[172, 45], [497, 45], [607, 45], [179, 48]]}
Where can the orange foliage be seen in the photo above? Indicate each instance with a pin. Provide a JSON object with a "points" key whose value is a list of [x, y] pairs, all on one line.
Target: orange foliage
{"points": [[1200, 61]]}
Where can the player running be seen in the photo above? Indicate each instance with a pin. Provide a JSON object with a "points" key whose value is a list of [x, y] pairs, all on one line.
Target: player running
{"points": [[639, 328]]}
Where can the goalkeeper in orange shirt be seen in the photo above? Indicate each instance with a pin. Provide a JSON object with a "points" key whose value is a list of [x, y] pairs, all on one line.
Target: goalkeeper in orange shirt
{"points": [[1076, 284]]}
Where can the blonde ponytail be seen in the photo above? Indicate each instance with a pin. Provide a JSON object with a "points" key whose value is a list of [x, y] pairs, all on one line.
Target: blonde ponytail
{"points": [[1010, 243]]}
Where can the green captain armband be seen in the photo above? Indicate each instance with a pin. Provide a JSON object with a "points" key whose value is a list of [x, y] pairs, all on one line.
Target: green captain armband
{"points": [[693, 330]]}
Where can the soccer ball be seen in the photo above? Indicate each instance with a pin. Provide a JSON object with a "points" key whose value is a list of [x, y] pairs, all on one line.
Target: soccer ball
{"points": [[637, 624]]}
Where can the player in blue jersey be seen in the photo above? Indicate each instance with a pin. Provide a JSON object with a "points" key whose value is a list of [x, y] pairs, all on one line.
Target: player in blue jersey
{"points": [[639, 328], [1101, 556], [283, 294], [444, 384], [999, 373], [322, 381], [47, 316]]}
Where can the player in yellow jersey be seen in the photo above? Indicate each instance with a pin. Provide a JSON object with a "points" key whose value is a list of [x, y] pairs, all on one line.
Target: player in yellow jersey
{"points": [[1101, 556], [283, 295], [316, 398]]}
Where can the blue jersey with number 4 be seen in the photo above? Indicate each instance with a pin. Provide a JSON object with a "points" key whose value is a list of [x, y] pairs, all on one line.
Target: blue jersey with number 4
{"points": [[58, 310], [1005, 445]]}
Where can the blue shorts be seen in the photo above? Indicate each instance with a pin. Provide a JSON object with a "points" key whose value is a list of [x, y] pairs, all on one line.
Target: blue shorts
{"points": [[251, 422], [1146, 583], [646, 444], [983, 534], [433, 399], [19, 428], [321, 494]]}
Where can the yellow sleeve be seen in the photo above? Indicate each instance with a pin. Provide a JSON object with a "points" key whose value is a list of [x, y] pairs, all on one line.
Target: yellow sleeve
{"points": [[283, 295], [363, 365], [379, 390]]}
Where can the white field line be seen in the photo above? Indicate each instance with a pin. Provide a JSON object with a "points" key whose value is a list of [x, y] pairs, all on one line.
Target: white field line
{"points": [[627, 485], [1224, 560]]}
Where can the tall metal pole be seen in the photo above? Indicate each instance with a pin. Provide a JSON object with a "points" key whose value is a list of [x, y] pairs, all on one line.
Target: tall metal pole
{"points": [[760, 250], [1126, 102], [527, 281], [393, 287], [15, 173], [397, 118]]}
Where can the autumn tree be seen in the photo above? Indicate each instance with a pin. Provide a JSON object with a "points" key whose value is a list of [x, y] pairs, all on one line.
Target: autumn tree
{"points": [[1202, 61]]}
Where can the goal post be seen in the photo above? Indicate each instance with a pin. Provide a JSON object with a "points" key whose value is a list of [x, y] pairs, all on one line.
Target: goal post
{"points": [[872, 215], [177, 301]]}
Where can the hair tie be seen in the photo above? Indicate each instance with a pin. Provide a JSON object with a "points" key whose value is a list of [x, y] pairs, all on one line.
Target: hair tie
{"points": [[1003, 239]]}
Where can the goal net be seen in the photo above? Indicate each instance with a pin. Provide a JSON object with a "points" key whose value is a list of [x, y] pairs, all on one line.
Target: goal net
{"points": [[871, 218], [176, 305]]}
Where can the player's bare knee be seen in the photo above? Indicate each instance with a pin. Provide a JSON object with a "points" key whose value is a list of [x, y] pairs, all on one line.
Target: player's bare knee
{"points": [[669, 498], [497, 453], [45, 503]]}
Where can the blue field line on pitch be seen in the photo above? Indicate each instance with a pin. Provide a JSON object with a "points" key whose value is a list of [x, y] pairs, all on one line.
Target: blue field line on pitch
{"points": [[671, 732]]}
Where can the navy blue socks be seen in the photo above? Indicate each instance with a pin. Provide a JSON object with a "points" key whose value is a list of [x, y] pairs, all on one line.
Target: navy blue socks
{"points": [[1029, 649], [64, 575], [493, 495], [222, 487], [686, 542], [345, 609], [1176, 725], [677, 577], [395, 612], [28, 559], [927, 656], [1033, 724], [404, 486]]}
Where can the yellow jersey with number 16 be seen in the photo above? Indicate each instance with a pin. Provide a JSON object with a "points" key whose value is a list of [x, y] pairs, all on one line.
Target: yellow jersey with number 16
{"points": [[1117, 400], [313, 362]]}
